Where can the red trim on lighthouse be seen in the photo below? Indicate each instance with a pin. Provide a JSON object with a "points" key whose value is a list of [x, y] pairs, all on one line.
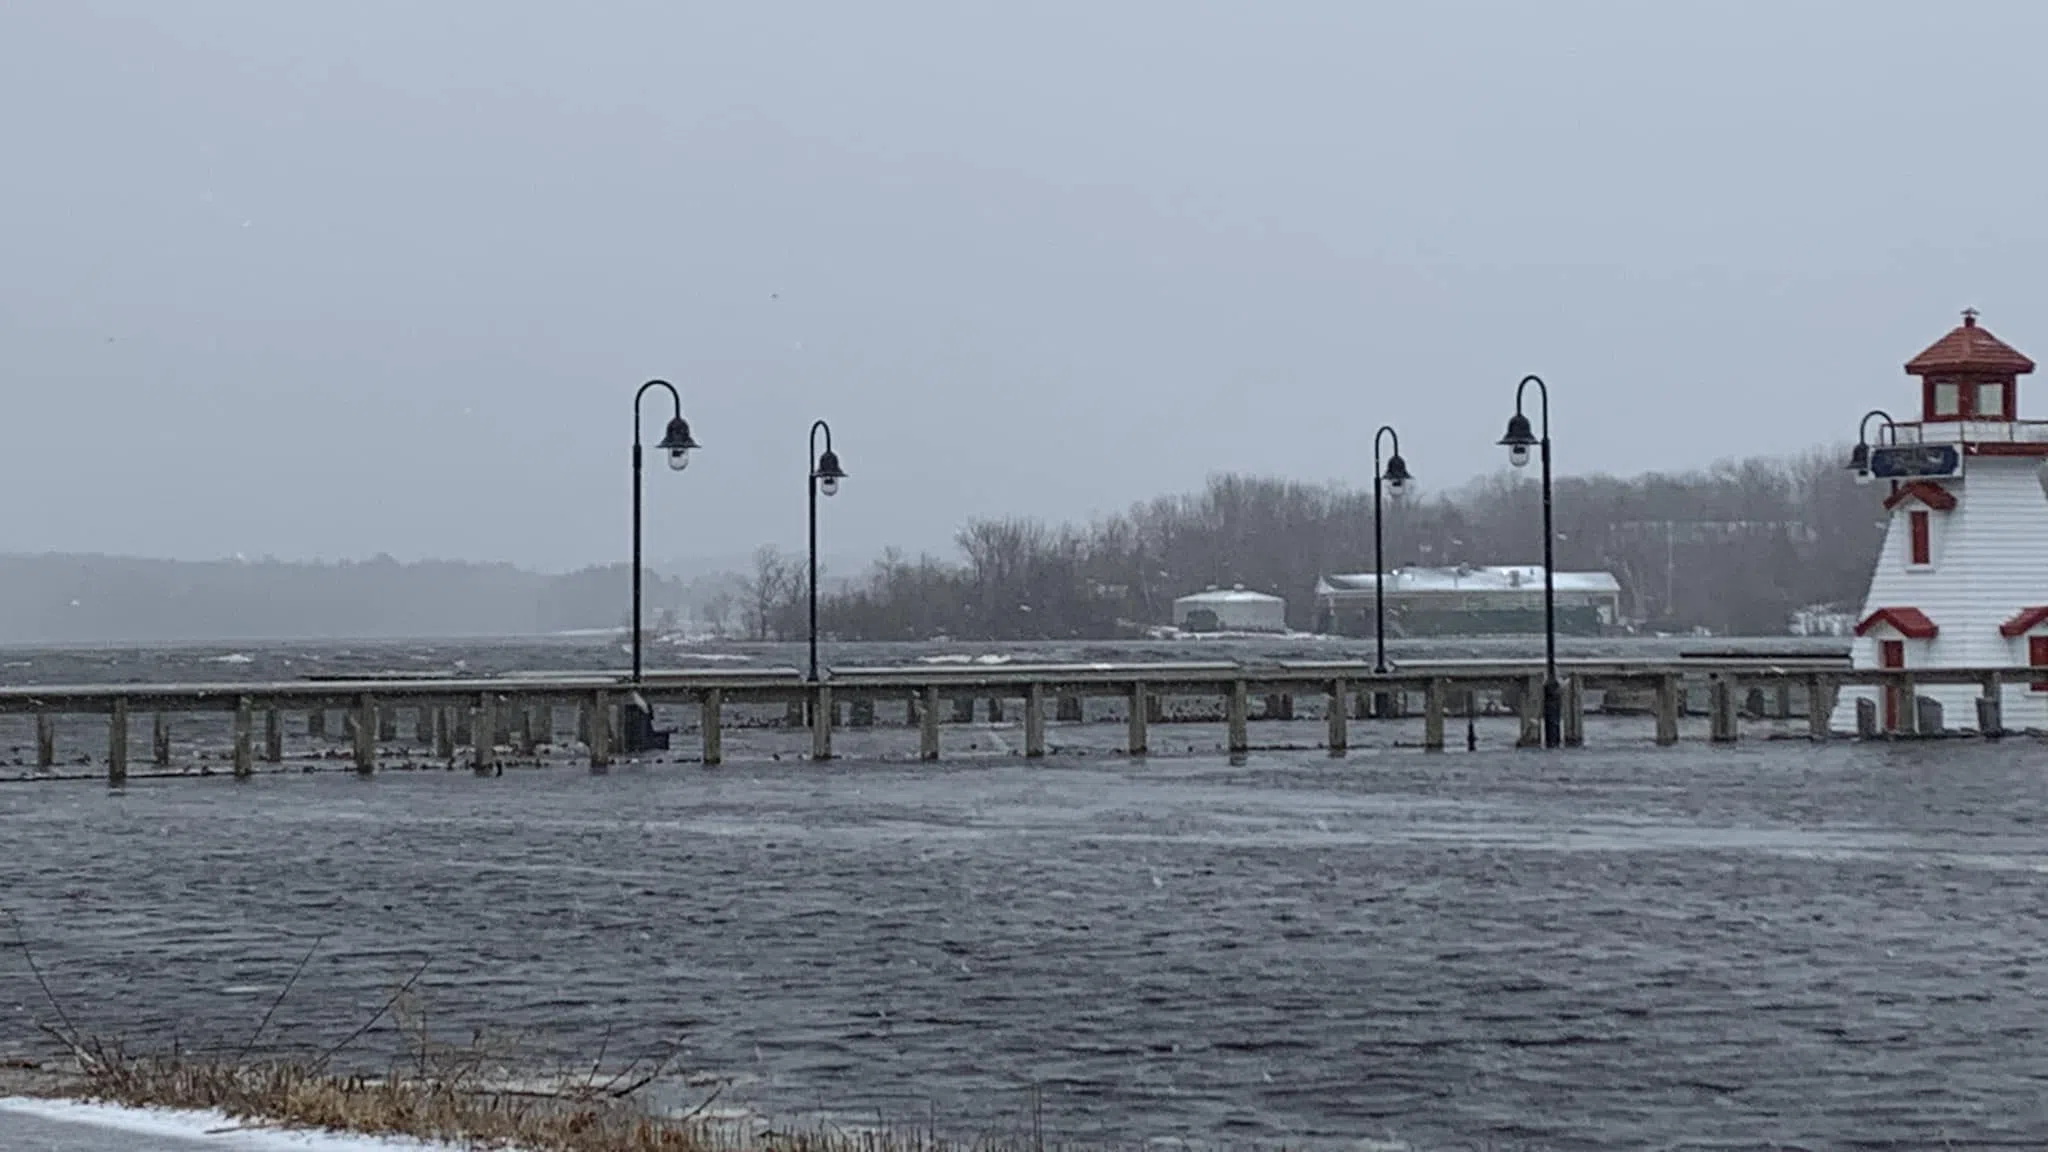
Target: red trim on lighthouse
{"points": [[1911, 623], [2027, 620], [1925, 491]]}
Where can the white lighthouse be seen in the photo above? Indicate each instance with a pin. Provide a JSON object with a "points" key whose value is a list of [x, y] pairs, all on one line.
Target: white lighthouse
{"points": [[1962, 580]]}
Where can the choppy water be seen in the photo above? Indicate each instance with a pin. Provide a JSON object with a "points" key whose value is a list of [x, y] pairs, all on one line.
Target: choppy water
{"points": [[1772, 945]]}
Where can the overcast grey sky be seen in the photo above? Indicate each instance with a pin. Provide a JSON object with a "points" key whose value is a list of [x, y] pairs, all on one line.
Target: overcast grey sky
{"points": [[381, 275]]}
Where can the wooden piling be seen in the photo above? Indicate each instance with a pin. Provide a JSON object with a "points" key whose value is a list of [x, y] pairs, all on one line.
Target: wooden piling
{"points": [[1433, 709], [1141, 708], [928, 724], [444, 734], [316, 723], [1531, 711], [483, 728], [1820, 705], [1783, 699], [117, 743], [1574, 719], [423, 725], [544, 723], [1238, 710], [387, 725], [160, 739], [1991, 708], [1034, 720], [821, 722], [46, 741], [523, 727], [366, 735], [795, 715], [1670, 701], [711, 714], [598, 711], [245, 719], [1723, 719], [273, 735], [995, 709], [1334, 711]]}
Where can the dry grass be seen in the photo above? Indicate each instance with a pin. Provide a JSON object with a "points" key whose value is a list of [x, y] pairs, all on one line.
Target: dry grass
{"points": [[454, 1095]]}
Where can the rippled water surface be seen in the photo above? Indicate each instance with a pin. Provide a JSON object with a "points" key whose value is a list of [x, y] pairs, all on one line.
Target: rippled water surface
{"points": [[1626, 947]]}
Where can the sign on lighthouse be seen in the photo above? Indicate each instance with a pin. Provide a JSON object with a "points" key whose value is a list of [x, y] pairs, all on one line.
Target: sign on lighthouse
{"points": [[1962, 579]]}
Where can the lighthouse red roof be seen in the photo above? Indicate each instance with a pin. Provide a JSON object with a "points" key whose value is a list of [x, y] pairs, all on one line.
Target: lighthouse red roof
{"points": [[1969, 348]]}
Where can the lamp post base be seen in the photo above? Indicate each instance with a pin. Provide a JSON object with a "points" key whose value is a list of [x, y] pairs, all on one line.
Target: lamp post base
{"points": [[637, 732], [1553, 713]]}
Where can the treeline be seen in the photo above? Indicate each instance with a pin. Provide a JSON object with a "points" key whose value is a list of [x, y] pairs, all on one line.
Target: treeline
{"points": [[1735, 548], [62, 599]]}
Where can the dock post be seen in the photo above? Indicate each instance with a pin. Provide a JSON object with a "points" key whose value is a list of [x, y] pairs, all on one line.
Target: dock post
{"points": [[387, 724], [423, 725], [1034, 720], [273, 735], [1991, 707], [544, 723], [598, 711], [1433, 708], [928, 724], [461, 721], [794, 717], [1238, 710], [316, 723], [1340, 721], [1721, 705], [1141, 705], [1070, 709], [523, 727], [483, 735], [46, 741], [1531, 711], [711, 710], [245, 719], [1784, 699], [117, 743], [1574, 712], [821, 722], [963, 710], [1909, 707], [366, 735], [1820, 705], [995, 709], [444, 734], [160, 739], [1670, 698]]}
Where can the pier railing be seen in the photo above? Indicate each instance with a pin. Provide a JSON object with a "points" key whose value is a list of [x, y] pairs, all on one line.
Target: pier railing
{"points": [[517, 712]]}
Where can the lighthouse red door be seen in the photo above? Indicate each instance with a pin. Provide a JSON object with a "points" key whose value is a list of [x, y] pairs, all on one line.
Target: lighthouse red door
{"points": [[1891, 654]]}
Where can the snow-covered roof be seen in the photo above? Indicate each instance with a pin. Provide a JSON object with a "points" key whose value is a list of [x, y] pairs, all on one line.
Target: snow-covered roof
{"points": [[1229, 596], [1467, 578]]}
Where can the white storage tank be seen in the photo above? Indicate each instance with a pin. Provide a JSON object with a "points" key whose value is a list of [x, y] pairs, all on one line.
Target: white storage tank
{"points": [[1233, 609]]}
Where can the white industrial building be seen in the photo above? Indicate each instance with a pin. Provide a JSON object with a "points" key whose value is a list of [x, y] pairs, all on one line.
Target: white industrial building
{"points": [[1233, 609], [1468, 600]]}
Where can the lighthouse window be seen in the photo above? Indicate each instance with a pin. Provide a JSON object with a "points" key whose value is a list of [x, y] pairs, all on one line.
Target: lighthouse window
{"points": [[1922, 531], [1948, 398], [1991, 400]]}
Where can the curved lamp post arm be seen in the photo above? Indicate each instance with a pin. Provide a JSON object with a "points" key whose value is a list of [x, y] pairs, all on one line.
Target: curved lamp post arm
{"points": [[640, 395], [1543, 392]]}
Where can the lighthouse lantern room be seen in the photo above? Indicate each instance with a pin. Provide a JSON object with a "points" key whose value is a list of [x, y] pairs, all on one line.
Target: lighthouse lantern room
{"points": [[1962, 579]]}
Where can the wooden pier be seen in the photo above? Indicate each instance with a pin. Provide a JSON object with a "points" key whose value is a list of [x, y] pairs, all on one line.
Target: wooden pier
{"points": [[517, 713]]}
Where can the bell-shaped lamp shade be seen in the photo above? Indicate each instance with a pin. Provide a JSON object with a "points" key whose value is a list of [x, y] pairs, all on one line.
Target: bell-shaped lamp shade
{"points": [[828, 473], [677, 442], [1397, 475], [1519, 440], [1859, 457]]}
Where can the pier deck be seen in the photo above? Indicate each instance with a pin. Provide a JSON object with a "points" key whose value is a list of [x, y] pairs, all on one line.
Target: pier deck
{"points": [[518, 710]]}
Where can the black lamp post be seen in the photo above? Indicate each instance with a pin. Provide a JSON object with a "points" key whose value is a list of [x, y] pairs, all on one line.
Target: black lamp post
{"points": [[638, 722], [825, 477], [1519, 440], [1859, 457], [1396, 476]]}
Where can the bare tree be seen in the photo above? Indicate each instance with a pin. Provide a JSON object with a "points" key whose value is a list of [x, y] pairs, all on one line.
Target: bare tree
{"points": [[766, 590]]}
